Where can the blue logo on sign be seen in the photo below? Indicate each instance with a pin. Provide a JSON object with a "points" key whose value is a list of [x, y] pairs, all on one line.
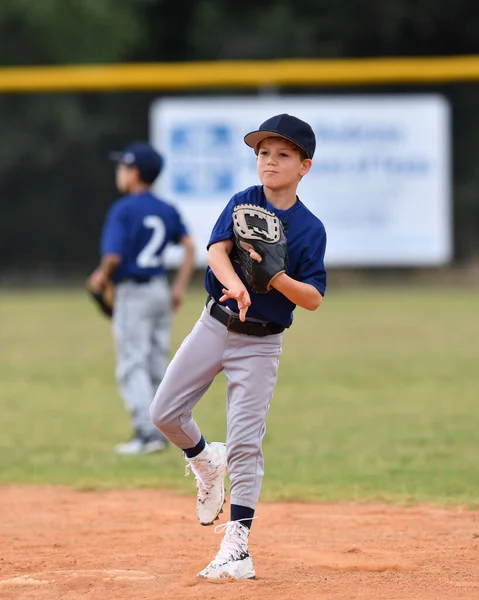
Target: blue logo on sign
{"points": [[180, 139], [223, 181], [183, 183], [221, 136], [201, 159]]}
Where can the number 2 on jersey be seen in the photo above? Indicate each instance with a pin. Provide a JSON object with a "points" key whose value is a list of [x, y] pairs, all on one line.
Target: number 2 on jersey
{"points": [[147, 258]]}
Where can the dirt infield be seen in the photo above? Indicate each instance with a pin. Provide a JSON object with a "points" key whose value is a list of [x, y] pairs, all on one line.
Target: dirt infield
{"points": [[60, 544]]}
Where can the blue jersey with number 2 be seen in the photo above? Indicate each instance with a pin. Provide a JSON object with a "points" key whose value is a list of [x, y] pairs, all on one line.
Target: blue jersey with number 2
{"points": [[306, 239], [138, 227]]}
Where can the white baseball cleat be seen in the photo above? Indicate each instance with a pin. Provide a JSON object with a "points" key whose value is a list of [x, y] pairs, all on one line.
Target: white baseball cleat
{"points": [[209, 469], [233, 559]]}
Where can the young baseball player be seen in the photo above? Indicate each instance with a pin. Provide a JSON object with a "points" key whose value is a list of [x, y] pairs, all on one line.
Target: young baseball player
{"points": [[240, 332], [137, 229]]}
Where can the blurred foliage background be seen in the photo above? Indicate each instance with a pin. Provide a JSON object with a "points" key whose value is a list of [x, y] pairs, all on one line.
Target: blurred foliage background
{"points": [[55, 179]]}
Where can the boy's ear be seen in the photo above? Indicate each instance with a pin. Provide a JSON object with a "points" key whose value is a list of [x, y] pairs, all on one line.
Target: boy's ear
{"points": [[136, 170], [305, 167]]}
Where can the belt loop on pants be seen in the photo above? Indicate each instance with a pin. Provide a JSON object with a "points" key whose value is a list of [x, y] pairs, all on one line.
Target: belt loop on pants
{"points": [[233, 323]]}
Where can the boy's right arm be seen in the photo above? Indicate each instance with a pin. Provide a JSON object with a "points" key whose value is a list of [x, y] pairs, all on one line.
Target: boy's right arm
{"points": [[220, 263], [184, 273], [111, 245]]}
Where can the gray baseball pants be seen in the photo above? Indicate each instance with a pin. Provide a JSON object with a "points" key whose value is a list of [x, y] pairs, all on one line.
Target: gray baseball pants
{"points": [[251, 368], [141, 330]]}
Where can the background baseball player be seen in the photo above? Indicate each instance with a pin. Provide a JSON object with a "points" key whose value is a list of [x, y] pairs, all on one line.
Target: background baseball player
{"points": [[137, 230], [242, 336]]}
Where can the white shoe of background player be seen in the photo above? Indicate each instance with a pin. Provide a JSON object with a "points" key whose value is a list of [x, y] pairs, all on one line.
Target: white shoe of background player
{"points": [[209, 469], [142, 445], [233, 559]]}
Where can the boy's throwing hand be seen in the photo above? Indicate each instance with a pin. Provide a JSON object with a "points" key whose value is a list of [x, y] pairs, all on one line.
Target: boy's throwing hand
{"points": [[241, 295]]}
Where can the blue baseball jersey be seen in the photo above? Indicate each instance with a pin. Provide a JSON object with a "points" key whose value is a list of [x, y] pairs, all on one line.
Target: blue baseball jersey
{"points": [[138, 227], [306, 239]]}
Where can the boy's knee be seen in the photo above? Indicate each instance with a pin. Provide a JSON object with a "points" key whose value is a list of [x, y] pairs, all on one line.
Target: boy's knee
{"points": [[162, 416], [157, 414]]}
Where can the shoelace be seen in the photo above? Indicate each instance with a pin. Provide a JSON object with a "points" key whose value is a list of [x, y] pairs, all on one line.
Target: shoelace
{"points": [[235, 541], [204, 480]]}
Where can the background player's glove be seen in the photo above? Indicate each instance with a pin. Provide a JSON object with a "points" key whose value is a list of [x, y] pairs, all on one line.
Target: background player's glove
{"points": [[260, 230], [102, 293]]}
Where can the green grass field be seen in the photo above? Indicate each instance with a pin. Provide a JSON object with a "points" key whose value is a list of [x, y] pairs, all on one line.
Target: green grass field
{"points": [[377, 399]]}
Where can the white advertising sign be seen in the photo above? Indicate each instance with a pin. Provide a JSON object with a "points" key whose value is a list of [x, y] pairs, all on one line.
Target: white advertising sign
{"points": [[380, 180]]}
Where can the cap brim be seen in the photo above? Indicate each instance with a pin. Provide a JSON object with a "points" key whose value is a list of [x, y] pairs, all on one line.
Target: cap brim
{"points": [[116, 156], [255, 137]]}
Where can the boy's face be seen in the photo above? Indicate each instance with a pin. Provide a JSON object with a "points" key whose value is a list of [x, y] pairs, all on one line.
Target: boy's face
{"points": [[280, 164], [126, 177]]}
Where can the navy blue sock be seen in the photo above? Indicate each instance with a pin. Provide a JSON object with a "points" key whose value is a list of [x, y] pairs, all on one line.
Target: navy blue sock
{"points": [[192, 452], [242, 512]]}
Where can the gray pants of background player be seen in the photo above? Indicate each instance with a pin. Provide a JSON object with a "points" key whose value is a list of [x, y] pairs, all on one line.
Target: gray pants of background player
{"points": [[251, 368], [141, 330]]}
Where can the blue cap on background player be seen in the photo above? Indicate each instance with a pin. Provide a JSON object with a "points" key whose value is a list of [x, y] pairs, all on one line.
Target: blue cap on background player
{"points": [[144, 157], [287, 126]]}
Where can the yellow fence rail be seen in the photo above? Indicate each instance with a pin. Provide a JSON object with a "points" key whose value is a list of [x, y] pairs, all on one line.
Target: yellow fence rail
{"points": [[239, 74]]}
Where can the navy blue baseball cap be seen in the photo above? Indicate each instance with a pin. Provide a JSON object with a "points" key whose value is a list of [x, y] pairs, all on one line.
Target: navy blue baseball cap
{"points": [[144, 157], [285, 126]]}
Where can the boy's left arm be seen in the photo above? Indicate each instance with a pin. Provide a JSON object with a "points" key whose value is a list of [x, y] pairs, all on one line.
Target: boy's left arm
{"points": [[302, 294], [308, 289]]}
